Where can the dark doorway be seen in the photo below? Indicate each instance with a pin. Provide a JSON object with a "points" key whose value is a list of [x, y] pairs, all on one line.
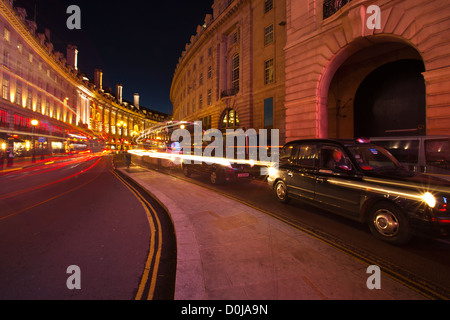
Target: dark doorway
{"points": [[391, 101]]}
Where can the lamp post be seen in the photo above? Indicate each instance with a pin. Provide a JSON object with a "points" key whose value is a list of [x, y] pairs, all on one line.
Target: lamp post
{"points": [[121, 125], [3, 153], [34, 123]]}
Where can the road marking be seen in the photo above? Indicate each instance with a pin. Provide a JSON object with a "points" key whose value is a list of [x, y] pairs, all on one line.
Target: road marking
{"points": [[55, 197], [150, 262], [10, 170], [19, 192]]}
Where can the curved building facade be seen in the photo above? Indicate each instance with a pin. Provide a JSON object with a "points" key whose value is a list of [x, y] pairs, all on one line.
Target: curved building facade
{"points": [[231, 73], [47, 104]]}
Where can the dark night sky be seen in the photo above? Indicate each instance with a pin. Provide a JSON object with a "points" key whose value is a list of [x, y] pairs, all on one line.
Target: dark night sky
{"points": [[136, 43]]}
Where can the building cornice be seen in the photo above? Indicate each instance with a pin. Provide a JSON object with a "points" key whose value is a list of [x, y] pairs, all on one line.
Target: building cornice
{"points": [[20, 28], [15, 22]]}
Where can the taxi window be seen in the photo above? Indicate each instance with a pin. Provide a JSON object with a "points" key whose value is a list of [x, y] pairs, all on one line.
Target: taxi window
{"points": [[306, 156], [287, 152], [334, 158]]}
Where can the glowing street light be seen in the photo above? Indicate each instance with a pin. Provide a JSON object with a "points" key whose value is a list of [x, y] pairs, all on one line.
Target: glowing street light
{"points": [[34, 123], [121, 125]]}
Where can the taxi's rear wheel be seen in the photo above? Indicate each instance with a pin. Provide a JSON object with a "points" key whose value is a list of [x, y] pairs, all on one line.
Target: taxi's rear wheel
{"points": [[387, 222], [280, 192]]}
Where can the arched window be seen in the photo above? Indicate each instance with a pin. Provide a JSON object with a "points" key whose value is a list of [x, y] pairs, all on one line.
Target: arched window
{"points": [[229, 119]]}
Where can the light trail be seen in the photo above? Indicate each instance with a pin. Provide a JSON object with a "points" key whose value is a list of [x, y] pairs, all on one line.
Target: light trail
{"points": [[53, 165], [158, 128], [16, 193], [59, 195], [180, 158], [426, 197]]}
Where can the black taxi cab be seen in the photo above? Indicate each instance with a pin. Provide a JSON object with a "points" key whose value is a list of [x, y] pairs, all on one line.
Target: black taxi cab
{"points": [[364, 182]]}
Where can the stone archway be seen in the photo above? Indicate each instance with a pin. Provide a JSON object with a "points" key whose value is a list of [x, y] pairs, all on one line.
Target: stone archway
{"points": [[321, 52], [391, 101], [338, 102]]}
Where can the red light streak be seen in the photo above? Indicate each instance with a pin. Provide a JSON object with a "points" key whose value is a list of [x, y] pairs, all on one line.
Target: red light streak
{"points": [[16, 193]]}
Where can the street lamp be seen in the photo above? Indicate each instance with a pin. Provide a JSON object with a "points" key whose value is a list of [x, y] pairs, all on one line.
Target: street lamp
{"points": [[34, 123], [121, 125]]}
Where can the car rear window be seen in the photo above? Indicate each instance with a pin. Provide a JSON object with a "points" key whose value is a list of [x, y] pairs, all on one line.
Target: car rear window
{"points": [[405, 151], [437, 155]]}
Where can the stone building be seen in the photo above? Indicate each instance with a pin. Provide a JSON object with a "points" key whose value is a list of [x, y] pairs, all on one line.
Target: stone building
{"points": [[231, 73], [39, 83], [367, 68]]}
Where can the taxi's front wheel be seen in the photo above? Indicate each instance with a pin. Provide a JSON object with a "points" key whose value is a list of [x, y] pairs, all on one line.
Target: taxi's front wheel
{"points": [[387, 222], [280, 192]]}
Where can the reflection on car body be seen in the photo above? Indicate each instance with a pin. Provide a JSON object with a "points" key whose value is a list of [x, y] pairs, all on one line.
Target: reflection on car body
{"points": [[220, 171], [364, 182]]}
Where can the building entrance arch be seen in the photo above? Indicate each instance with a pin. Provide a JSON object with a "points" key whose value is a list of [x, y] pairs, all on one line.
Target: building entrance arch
{"points": [[365, 82], [391, 101]]}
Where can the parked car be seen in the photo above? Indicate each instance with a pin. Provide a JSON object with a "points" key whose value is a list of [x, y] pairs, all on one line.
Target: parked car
{"points": [[366, 183], [219, 172], [425, 154]]}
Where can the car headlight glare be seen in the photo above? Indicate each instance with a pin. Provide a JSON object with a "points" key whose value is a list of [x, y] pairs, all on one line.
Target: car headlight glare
{"points": [[272, 171], [429, 199]]}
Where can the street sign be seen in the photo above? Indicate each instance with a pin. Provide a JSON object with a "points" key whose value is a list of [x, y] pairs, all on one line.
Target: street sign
{"points": [[41, 139]]}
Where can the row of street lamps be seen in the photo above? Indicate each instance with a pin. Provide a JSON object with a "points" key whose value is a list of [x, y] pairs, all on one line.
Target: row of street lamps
{"points": [[122, 125]]}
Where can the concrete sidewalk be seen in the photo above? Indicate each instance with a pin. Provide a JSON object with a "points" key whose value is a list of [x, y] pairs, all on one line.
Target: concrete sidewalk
{"points": [[229, 251]]}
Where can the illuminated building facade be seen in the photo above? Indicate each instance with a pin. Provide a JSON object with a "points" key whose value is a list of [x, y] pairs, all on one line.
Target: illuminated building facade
{"points": [[39, 83], [367, 68], [319, 68], [231, 73]]}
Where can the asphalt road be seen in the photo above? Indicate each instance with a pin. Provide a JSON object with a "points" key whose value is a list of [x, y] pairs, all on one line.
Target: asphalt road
{"points": [[423, 263], [79, 213]]}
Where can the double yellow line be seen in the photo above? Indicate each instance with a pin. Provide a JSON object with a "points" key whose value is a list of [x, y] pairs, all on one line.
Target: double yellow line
{"points": [[154, 255]]}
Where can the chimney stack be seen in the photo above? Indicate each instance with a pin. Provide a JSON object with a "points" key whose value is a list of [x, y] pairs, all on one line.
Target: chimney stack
{"points": [[119, 88], [98, 79], [47, 34], [72, 56], [136, 100]]}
